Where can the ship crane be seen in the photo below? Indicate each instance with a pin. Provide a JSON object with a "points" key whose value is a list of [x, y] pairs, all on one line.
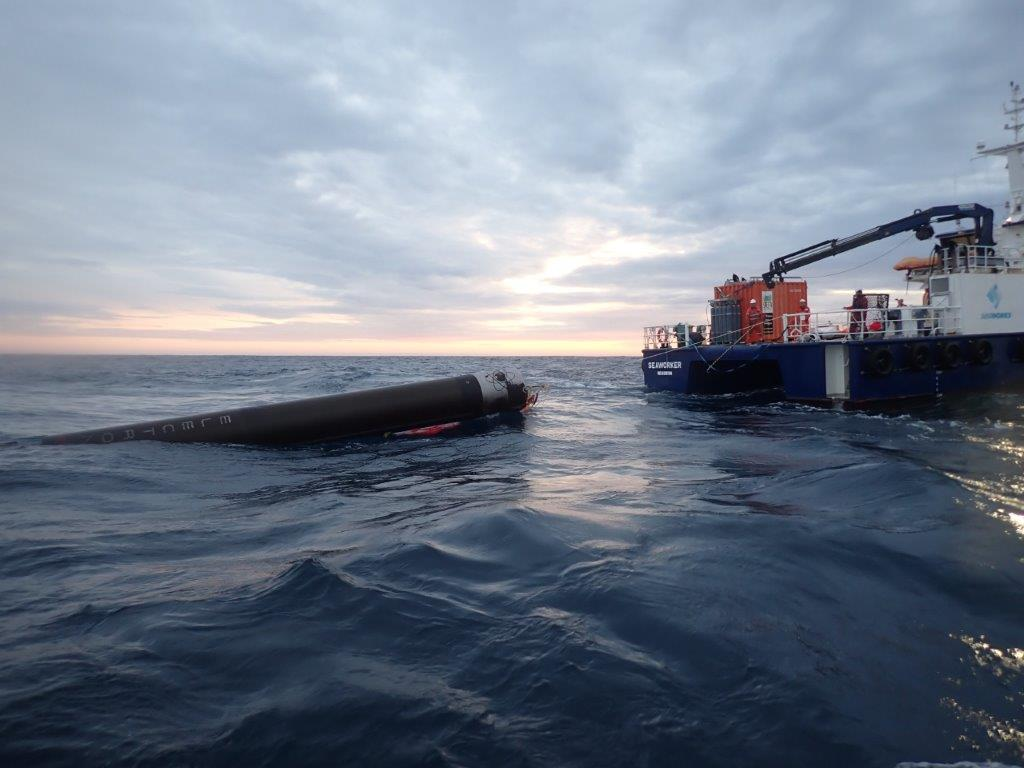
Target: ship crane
{"points": [[919, 222]]}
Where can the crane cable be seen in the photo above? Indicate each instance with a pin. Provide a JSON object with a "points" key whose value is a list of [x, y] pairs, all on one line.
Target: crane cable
{"points": [[864, 264]]}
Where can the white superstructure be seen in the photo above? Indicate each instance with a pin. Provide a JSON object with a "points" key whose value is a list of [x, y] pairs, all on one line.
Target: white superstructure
{"points": [[1010, 236], [986, 284]]}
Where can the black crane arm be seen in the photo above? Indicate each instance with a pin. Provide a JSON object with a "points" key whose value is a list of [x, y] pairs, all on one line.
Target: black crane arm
{"points": [[919, 221]]}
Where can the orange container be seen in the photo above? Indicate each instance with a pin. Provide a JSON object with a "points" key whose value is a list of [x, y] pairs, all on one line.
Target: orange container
{"points": [[774, 302]]}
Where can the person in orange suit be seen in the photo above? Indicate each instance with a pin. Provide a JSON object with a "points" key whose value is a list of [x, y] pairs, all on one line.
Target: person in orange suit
{"points": [[754, 323], [803, 318]]}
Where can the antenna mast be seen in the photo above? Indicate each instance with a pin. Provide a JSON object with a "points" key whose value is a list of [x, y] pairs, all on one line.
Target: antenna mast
{"points": [[1014, 111], [1014, 154]]}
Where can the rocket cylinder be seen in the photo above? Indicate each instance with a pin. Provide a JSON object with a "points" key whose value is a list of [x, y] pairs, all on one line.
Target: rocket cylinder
{"points": [[332, 417]]}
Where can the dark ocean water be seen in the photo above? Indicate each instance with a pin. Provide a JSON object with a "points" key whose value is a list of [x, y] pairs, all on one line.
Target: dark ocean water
{"points": [[623, 579]]}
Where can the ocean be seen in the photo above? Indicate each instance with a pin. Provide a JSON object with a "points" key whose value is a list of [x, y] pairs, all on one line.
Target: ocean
{"points": [[622, 578]]}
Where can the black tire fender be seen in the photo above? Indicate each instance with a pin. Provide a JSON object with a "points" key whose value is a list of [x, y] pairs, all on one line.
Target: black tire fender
{"points": [[920, 356], [950, 354], [878, 361], [981, 351], [1016, 347]]}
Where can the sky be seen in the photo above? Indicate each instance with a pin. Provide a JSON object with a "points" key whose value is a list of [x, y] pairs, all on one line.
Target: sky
{"points": [[473, 178]]}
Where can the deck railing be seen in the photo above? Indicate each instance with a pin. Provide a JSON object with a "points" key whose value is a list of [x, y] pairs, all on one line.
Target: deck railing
{"points": [[857, 324], [674, 335], [659, 337], [968, 258], [840, 325]]}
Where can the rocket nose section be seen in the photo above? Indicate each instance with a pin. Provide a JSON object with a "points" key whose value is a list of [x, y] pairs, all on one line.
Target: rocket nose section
{"points": [[502, 390]]}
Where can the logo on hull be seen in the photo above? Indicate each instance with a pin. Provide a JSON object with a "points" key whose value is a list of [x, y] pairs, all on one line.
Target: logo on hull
{"points": [[993, 296]]}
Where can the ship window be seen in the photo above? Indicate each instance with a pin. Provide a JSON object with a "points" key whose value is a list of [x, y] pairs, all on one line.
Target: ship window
{"points": [[940, 285]]}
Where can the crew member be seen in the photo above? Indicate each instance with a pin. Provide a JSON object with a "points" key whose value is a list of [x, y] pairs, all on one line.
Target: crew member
{"points": [[859, 313], [754, 323], [895, 318], [803, 318], [925, 318]]}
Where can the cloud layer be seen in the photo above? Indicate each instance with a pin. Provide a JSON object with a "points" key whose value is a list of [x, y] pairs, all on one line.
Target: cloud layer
{"points": [[464, 177]]}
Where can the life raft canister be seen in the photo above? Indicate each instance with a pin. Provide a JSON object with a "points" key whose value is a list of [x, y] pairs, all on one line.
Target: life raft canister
{"points": [[878, 361]]}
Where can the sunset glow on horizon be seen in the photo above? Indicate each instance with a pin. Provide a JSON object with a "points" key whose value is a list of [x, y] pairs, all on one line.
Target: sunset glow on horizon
{"points": [[393, 180]]}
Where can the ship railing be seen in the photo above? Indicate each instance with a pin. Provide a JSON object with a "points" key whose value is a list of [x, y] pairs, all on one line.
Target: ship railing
{"points": [[955, 259], [861, 324], [970, 258], [659, 337], [676, 335]]}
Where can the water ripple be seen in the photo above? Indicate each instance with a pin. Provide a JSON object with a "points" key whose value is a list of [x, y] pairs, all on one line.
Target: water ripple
{"points": [[620, 578]]}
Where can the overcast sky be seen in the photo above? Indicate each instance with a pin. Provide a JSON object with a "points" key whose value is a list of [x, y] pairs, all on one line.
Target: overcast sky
{"points": [[478, 177]]}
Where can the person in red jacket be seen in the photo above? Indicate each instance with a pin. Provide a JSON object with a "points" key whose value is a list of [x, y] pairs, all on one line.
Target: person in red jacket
{"points": [[754, 323]]}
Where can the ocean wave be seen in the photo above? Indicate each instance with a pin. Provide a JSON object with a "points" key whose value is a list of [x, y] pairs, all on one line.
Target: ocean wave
{"points": [[619, 578]]}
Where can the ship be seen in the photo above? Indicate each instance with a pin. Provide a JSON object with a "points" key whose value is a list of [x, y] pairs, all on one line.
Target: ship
{"points": [[966, 335]]}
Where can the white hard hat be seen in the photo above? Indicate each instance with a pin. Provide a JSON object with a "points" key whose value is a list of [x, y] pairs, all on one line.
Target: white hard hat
{"points": [[753, 301], [803, 301]]}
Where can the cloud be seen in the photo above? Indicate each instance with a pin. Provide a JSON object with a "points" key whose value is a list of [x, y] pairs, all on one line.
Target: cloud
{"points": [[190, 175]]}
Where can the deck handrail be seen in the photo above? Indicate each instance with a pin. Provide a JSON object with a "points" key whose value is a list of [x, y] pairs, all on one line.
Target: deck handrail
{"points": [[835, 325], [859, 324], [954, 259]]}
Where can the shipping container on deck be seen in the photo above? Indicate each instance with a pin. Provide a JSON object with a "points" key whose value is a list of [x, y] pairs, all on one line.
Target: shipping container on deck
{"points": [[783, 298]]}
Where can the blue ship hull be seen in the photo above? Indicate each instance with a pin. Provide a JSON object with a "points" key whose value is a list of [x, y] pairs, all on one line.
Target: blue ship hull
{"points": [[831, 372]]}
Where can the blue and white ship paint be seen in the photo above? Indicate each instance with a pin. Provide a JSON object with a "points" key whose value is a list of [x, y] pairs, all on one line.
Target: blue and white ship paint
{"points": [[966, 336]]}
